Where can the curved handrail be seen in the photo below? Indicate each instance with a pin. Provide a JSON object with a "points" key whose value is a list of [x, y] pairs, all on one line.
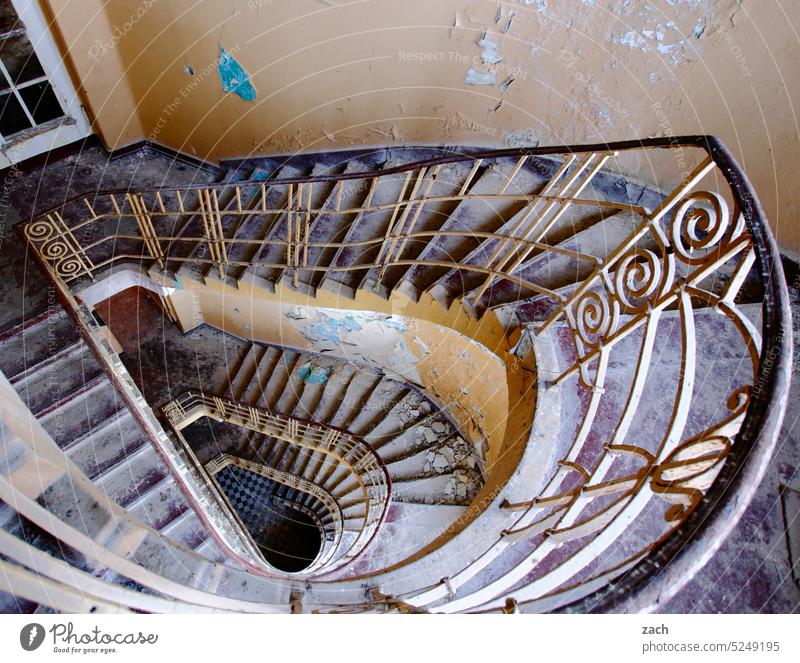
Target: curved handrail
{"points": [[344, 448], [594, 332]]}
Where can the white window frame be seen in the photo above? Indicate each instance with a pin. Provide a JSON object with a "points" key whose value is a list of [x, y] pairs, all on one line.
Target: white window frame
{"points": [[75, 124]]}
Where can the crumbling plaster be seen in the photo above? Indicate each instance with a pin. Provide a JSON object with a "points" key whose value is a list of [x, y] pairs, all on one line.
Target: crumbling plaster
{"points": [[335, 73], [458, 372]]}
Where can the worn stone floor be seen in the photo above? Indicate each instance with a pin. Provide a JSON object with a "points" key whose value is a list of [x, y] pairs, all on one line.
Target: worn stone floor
{"points": [[751, 573]]}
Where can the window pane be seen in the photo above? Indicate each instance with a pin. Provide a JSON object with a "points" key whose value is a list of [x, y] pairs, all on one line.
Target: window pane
{"points": [[8, 17], [20, 60], [12, 117], [41, 102]]}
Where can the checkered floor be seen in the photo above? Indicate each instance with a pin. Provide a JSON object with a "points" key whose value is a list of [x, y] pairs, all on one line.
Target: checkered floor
{"points": [[289, 539], [250, 493]]}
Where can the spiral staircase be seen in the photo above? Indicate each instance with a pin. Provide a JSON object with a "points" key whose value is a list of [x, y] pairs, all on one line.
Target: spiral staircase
{"points": [[422, 380]]}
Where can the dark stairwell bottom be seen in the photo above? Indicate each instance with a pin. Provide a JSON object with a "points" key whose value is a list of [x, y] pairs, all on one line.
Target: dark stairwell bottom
{"points": [[289, 539]]}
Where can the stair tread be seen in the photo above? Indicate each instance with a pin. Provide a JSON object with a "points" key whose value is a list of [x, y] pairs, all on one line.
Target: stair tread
{"points": [[133, 476], [469, 216], [34, 339], [330, 227], [365, 226], [265, 226]]}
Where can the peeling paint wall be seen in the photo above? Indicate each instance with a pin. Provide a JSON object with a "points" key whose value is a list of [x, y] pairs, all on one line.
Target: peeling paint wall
{"points": [[484, 72], [466, 377]]}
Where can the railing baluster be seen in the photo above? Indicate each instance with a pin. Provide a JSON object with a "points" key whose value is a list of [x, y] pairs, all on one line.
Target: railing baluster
{"points": [[146, 229]]}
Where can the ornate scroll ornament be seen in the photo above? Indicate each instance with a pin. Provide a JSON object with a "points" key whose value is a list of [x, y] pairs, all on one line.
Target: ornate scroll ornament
{"points": [[686, 473], [40, 231], [640, 277], [174, 412], [595, 318], [700, 222], [52, 245], [57, 246]]}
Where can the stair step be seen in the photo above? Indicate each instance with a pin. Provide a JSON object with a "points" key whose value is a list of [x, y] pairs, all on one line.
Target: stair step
{"points": [[383, 399], [468, 217], [553, 270], [331, 227], [402, 415], [243, 375], [261, 376], [161, 505], [320, 195], [104, 446], [270, 396], [190, 225], [241, 227], [316, 372], [456, 488], [449, 180], [210, 549], [186, 530], [194, 226], [267, 227], [35, 339], [280, 380], [55, 377], [74, 414], [331, 399], [133, 477], [439, 459], [364, 227], [359, 390], [459, 281]]}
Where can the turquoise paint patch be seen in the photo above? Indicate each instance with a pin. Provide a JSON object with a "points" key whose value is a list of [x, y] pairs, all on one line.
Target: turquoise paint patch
{"points": [[395, 324], [331, 329], [234, 77], [313, 374]]}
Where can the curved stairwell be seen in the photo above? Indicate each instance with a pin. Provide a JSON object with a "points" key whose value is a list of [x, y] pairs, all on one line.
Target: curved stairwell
{"points": [[431, 467], [411, 434], [640, 334]]}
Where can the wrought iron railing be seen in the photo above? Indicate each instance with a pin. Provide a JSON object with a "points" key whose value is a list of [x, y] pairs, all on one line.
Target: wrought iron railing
{"points": [[342, 449], [702, 248], [166, 227]]}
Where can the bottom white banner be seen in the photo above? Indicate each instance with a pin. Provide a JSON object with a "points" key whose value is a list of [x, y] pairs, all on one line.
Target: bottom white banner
{"points": [[405, 638]]}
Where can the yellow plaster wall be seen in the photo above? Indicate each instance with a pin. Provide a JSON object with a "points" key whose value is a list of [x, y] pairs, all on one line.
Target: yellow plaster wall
{"points": [[332, 74]]}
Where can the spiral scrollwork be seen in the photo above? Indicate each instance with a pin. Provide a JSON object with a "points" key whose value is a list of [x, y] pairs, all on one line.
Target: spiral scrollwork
{"points": [[55, 249], [173, 412], [639, 276], [68, 266], [739, 400], [40, 230], [685, 475], [594, 317], [687, 472], [700, 223]]}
